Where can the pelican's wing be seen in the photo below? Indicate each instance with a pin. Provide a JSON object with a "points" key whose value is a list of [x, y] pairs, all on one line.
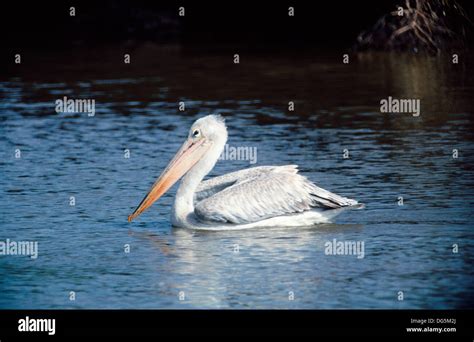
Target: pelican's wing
{"points": [[214, 185], [276, 193]]}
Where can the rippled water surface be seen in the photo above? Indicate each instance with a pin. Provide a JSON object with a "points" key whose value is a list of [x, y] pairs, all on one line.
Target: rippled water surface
{"points": [[408, 248]]}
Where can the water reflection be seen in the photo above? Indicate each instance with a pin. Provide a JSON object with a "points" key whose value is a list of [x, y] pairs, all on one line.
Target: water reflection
{"points": [[207, 259]]}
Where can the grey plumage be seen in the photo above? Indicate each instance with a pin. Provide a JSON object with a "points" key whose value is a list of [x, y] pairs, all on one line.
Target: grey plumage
{"points": [[212, 186], [262, 192]]}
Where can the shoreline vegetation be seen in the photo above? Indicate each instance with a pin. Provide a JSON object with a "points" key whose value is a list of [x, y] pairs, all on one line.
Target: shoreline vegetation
{"points": [[430, 26]]}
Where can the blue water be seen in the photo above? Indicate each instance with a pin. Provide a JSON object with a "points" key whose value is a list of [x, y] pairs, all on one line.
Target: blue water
{"points": [[81, 248]]}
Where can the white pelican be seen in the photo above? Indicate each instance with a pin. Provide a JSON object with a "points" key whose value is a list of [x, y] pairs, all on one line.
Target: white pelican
{"points": [[256, 197]]}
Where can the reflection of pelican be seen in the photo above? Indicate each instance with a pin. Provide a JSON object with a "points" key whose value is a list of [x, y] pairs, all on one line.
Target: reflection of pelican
{"points": [[254, 197]]}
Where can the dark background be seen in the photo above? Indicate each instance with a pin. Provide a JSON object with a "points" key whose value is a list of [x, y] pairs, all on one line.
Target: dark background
{"points": [[209, 25]]}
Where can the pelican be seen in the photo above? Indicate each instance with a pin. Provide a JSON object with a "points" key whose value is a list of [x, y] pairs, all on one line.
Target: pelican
{"points": [[264, 196]]}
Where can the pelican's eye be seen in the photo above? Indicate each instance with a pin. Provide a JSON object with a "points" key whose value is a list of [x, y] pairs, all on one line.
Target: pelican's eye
{"points": [[196, 133]]}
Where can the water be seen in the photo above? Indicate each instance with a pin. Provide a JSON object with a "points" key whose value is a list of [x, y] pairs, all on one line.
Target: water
{"points": [[408, 248]]}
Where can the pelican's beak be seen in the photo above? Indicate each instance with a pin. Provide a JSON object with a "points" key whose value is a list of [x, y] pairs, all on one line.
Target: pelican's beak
{"points": [[188, 155]]}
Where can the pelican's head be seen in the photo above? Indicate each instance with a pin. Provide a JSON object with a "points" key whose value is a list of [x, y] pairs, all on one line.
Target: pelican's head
{"points": [[210, 128], [206, 138]]}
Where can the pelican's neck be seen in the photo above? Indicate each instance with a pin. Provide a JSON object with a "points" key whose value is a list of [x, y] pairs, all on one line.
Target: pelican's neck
{"points": [[184, 201]]}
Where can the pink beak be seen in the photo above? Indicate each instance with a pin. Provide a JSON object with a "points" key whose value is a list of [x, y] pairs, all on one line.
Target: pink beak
{"points": [[186, 157]]}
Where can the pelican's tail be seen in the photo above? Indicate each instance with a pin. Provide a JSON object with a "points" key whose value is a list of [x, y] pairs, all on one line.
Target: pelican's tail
{"points": [[356, 206], [330, 214]]}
